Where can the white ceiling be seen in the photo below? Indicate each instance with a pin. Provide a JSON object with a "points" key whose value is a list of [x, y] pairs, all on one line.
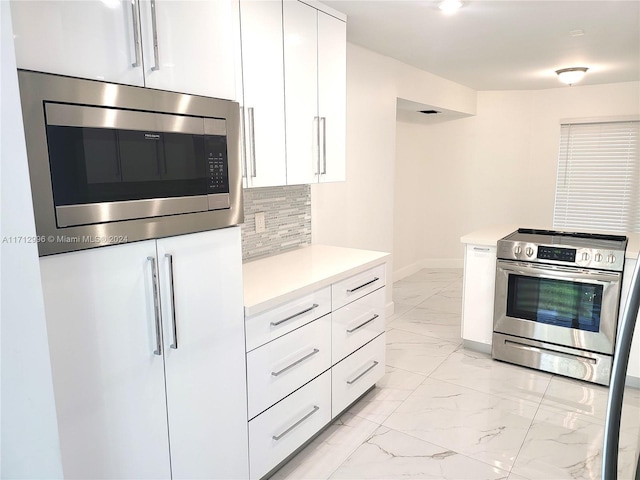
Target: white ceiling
{"points": [[503, 45]]}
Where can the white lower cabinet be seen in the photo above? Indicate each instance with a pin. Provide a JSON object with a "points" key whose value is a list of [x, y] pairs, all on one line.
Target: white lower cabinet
{"points": [[147, 355], [308, 359], [279, 431], [356, 374], [276, 369], [478, 292]]}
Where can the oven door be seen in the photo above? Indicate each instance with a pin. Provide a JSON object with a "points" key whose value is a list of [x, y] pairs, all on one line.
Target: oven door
{"points": [[566, 306]]}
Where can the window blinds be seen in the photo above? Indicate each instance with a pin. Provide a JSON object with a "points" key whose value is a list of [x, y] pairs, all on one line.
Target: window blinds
{"points": [[598, 180]]}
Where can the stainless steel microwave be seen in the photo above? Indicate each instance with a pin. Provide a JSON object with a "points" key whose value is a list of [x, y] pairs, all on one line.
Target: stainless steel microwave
{"points": [[113, 163]]}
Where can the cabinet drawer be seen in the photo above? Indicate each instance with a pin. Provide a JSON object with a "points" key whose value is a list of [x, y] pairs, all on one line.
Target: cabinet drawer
{"points": [[357, 323], [357, 373], [274, 323], [352, 288], [279, 367], [279, 431]]}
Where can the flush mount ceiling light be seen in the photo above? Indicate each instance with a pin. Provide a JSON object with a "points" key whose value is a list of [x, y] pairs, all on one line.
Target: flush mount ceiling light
{"points": [[450, 6], [571, 75]]}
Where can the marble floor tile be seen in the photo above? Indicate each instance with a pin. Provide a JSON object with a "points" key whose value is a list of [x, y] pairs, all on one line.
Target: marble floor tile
{"points": [[389, 393], [389, 454], [325, 453], [416, 353], [445, 326], [560, 445], [480, 372], [437, 275], [482, 426], [441, 303]]}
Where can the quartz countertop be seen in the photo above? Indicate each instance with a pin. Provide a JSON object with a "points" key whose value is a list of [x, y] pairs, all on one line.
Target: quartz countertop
{"points": [[489, 236], [273, 280]]}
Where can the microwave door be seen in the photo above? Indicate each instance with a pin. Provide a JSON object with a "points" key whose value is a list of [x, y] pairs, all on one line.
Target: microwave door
{"points": [[142, 159]]}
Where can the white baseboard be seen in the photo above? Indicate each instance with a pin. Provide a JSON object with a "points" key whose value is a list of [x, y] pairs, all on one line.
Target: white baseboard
{"points": [[389, 309], [427, 263]]}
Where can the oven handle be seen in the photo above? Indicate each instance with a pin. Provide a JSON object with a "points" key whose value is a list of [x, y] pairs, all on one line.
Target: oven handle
{"points": [[540, 270]]}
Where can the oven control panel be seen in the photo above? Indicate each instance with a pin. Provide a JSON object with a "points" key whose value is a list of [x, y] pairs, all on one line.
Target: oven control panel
{"points": [[557, 253]]}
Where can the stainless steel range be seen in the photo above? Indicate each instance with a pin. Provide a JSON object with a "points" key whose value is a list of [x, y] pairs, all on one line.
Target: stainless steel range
{"points": [[556, 301]]}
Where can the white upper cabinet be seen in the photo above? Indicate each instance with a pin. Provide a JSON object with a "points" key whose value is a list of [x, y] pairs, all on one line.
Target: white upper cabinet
{"points": [[263, 93], [189, 46], [315, 94], [88, 39], [183, 46]]}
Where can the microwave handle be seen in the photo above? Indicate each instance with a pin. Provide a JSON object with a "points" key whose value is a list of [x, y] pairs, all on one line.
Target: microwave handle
{"points": [[154, 27], [136, 32]]}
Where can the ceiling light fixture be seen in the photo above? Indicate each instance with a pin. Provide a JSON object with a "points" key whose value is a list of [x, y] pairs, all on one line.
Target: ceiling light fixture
{"points": [[571, 75], [450, 6]]}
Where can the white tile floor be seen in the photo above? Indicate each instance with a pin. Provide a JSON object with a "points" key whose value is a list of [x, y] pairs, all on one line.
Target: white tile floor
{"points": [[444, 412]]}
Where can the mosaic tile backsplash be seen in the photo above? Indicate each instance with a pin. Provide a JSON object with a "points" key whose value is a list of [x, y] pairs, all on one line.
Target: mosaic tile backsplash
{"points": [[287, 212]]}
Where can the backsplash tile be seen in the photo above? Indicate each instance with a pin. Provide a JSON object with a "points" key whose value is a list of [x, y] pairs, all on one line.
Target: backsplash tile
{"points": [[287, 212]]}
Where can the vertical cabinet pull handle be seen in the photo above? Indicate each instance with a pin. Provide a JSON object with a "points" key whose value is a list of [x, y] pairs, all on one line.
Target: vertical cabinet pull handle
{"points": [[375, 279], [174, 326], [300, 360], [243, 150], [278, 437], [351, 382], [252, 144], [154, 27], [323, 123], [351, 330], [279, 322], [156, 305], [136, 33], [316, 137]]}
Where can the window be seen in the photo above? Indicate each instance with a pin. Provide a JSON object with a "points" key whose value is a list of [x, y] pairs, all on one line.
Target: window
{"points": [[598, 181]]}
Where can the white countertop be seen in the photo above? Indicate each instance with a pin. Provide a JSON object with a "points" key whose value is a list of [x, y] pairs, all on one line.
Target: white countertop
{"points": [[489, 236], [273, 280]]}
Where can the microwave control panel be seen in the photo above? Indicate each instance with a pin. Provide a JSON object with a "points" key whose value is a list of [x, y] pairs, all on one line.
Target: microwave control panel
{"points": [[217, 164]]}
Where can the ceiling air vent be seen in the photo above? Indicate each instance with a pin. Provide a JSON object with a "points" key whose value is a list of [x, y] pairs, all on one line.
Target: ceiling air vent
{"points": [[429, 112]]}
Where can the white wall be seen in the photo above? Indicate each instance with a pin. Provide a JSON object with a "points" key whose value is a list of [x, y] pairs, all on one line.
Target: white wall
{"points": [[29, 432], [359, 213], [494, 168]]}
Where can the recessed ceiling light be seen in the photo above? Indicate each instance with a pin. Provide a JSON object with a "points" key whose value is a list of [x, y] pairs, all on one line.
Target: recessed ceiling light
{"points": [[571, 75], [450, 6], [576, 33]]}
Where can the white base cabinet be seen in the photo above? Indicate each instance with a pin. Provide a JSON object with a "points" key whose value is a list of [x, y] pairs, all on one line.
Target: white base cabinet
{"points": [[147, 353], [478, 293], [308, 359]]}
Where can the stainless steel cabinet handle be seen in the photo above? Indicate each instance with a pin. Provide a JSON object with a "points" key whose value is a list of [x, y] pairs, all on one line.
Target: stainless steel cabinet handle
{"points": [[279, 322], [136, 32], [278, 437], [323, 123], [315, 350], [375, 279], [316, 134], [351, 330], [156, 305], [351, 382], [154, 27], [243, 150], [481, 249], [174, 326], [252, 145]]}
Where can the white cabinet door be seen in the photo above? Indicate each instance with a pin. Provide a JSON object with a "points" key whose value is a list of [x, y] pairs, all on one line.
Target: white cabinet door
{"points": [[263, 88], [332, 96], [91, 39], [301, 92], [478, 294], [109, 385], [189, 46], [205, 369]]}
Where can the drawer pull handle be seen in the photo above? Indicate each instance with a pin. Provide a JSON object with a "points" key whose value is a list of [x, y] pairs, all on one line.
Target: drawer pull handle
{"points": [[275, 324], [351, 330], [351, 382], [308, 355], [278, 437], [375, 279]]}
